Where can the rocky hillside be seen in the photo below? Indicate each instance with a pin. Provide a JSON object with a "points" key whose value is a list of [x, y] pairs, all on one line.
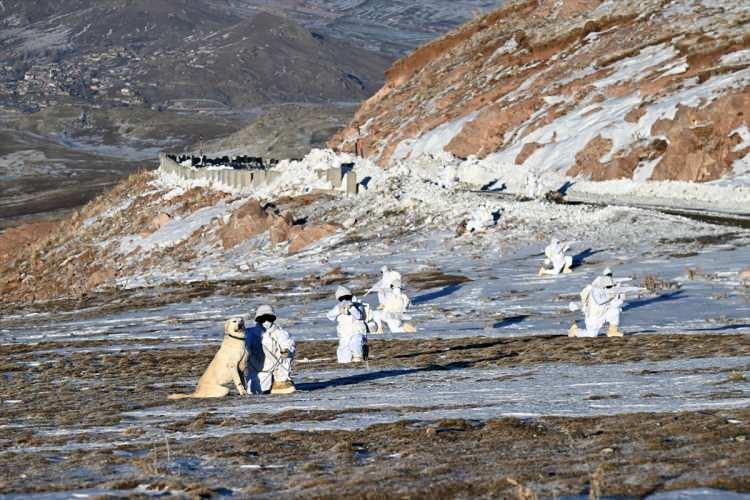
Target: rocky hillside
{"points": [[147, 229], [642, 90]]}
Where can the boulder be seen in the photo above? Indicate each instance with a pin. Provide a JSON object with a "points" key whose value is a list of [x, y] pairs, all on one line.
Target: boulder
{"points": [[98, 277], [159, 221], [156, 223], [247, 221], [17, 239], [281, 226], [303, 236]]}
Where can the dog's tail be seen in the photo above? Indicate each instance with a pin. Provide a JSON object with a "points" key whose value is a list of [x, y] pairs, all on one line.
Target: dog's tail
{"points": [[179, 396]]}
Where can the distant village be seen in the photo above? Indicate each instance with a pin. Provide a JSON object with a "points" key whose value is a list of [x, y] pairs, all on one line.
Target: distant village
{"points": [[102, 78]]}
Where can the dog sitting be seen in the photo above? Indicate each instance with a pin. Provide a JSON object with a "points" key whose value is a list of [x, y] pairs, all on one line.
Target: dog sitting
{"points": [[227, 366]]}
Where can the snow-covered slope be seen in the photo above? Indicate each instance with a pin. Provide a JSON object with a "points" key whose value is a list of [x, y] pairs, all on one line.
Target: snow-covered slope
{"points": [[615, 89], [155, 231]]}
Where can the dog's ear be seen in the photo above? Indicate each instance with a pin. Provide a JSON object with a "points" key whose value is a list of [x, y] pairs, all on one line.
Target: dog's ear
{"points": [[227, 326]]}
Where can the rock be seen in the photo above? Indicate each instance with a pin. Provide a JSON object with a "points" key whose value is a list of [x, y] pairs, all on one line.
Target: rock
{"points": [[98, 277], [334, 275], [350, 222], [156, 223], [304, 236], [700, 145], [528, 149], [281, 226], [461, 228], [160, 221], [247, 221], [555, 197], [15, 239]]}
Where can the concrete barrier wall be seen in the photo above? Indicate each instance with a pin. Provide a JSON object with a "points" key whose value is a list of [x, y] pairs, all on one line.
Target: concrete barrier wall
{"points": [[246, 180]]}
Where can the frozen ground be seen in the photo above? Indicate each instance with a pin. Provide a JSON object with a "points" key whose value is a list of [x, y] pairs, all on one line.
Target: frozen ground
{"points": [[357, 398], [98, 420], [379, 396]]}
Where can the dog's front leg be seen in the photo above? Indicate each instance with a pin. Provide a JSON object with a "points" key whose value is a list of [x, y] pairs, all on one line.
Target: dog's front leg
{"points": [[239, 380]]}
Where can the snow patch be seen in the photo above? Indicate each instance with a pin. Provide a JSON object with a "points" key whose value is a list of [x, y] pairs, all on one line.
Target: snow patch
{"points": [[744, 134], [508, 47], [177, 230], [738, 57], [574, 130], [636, 67], [432, 142]]}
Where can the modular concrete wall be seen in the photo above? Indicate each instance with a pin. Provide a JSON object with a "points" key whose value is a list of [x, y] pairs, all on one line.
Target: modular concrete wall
{"points": [[246, 180]]}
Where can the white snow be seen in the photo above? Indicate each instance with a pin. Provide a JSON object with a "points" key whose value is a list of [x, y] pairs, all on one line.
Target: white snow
{"points": [[636, 67], [644, 171], [432, 142], [176, 230], [677, 68], [744, 134], [574, 130], [738, 57], [506, 48], [577, 128], [369, 397], [109, 213]]}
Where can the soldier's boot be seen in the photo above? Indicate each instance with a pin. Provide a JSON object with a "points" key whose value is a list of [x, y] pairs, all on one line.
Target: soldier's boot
{"points": [[613, 331], [283, 387], [573, 332]]}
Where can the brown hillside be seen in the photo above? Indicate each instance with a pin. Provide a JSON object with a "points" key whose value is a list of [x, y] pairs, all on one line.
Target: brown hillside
{"points": [[651, 89]]}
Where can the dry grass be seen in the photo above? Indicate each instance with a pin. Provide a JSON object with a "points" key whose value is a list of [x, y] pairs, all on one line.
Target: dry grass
{"points": [[522, 491], [654, 283], [736, 376], [151, 464], [597, 483]]}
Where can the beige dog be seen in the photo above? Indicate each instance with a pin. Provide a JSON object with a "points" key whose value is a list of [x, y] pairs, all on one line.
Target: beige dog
{"points": [[227, 366]]}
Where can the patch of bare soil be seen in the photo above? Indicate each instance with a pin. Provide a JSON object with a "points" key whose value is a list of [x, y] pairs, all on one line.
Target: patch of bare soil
{"points": [[64, 427], [480, 352], [623, 455], [112, 300], [426, 280]]}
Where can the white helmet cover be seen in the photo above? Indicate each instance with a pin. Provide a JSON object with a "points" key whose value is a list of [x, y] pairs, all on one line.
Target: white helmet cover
{"points": [[342, 291], [264, 310], [604, 282]]}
